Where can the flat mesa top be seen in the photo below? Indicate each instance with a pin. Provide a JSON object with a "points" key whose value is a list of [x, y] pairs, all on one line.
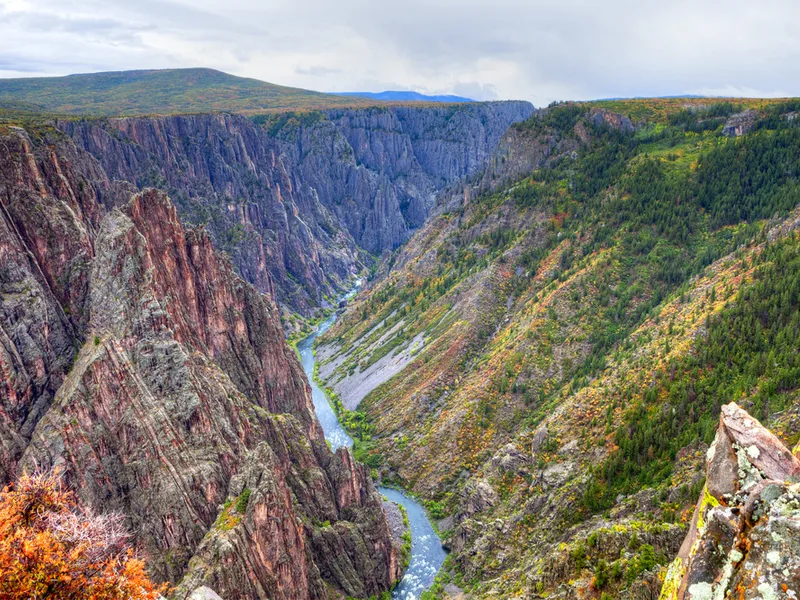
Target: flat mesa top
{"points": [[178, 91], [170, 91]]}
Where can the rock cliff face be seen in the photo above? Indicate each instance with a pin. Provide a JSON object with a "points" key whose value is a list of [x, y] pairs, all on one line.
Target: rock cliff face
{"points": [[295, 199], [135, 360], [739, 124], [518, 153], [46, 234], [744, 541]]}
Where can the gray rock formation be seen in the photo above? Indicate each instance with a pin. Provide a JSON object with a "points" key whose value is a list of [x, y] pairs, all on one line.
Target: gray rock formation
{"points": [[601, 117], [740, 123], [294, 200], [744, 540]]}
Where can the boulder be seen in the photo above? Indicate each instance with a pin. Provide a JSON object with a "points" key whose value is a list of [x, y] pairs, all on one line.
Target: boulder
{"points": [[539, 438], [509, 459], [557, 474], [476, 497], [744, 540], [204, 593]]}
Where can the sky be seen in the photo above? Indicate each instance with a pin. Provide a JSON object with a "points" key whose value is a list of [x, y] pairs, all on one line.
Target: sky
{"points": [[536, 50]]}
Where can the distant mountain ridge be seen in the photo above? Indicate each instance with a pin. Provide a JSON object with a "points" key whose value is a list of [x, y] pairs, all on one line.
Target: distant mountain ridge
{"points": [[669, 97], [404, 96], [162, 92]]}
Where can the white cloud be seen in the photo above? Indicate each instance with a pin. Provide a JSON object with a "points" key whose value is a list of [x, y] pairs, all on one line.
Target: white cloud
{"points": [[539, 50]]}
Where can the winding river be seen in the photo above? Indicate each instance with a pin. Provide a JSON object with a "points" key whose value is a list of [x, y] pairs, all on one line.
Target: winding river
{"points": [[427, 554]]}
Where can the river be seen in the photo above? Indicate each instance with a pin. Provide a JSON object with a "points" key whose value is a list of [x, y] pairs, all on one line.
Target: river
{"points": [[427, 554]]}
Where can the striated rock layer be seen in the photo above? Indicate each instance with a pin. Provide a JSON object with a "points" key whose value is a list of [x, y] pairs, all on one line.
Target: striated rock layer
{"points": [[133, 358], [296, 200]]}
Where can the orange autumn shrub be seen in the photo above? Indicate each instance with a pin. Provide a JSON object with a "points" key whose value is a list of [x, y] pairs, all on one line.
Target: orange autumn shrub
{"points": [[51, 549]]}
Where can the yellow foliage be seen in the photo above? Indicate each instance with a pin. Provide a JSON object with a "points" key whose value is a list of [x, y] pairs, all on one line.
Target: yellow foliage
{"points": [[51, 549]]}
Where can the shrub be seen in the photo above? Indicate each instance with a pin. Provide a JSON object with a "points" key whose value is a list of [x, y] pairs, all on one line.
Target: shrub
{"points": [[644, 561], [436, 509], [601, 575], [50, 548], [578, 556], [242, 500]]}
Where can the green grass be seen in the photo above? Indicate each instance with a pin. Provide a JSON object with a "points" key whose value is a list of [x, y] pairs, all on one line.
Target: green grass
{"points": [[405, 551]]}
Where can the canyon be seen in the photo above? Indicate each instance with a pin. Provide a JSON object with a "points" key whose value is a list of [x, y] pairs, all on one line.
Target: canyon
{"points": [[149, 266], [545, 362], [302, 202], [159, 384], [573, 343]]}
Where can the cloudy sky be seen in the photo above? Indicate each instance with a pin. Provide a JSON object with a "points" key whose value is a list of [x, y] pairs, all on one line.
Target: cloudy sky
{"points": [[539, 50]]}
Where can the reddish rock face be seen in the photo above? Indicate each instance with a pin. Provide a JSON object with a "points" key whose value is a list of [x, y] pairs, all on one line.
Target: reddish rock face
{"points": [[47, 226], [134, 359], [291, 527], [211, 310]]}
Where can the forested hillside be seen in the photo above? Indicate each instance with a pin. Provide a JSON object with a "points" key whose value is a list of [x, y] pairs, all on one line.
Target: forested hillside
{"points": [[545, 361]]}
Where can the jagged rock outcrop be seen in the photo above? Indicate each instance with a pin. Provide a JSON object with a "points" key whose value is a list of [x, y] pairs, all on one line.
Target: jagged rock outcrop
{"points": [[136, 361], [281, 545], [740, 123], [744, 540], [601, 117], [47, 227], [293, 201]]}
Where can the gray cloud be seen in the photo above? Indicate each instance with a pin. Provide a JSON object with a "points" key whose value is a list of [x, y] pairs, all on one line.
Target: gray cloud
{"points": [[318, 71], [539, 50], [475, 90]]}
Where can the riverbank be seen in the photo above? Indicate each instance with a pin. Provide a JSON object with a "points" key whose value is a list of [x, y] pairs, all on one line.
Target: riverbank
{"points": [[427, 554]]}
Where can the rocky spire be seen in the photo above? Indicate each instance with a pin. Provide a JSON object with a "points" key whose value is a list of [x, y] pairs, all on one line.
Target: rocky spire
{"points": [[744, 540]]}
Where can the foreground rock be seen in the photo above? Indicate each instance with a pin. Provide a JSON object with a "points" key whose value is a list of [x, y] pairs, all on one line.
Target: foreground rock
{"points": [[744, 541], [134, 359]]}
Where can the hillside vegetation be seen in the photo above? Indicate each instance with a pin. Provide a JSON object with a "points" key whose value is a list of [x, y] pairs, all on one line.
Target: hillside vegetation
{"points": [[556, 346], [159, 92]]}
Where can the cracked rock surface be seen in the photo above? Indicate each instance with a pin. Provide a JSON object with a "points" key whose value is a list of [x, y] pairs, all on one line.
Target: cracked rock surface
{"points": [[744, 541], [135, 359]]}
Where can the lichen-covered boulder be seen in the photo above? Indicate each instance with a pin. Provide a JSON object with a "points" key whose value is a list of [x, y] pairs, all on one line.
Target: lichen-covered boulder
{"points": [[744, 541]]}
